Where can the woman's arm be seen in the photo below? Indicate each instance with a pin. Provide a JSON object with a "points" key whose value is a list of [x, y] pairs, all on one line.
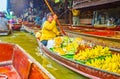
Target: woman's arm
{"points": [[49, 26]]}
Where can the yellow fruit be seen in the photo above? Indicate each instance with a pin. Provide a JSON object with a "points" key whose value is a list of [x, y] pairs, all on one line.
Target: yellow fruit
{"points": [[110, 64], [59, 51], [38, 35], [57, 41]]}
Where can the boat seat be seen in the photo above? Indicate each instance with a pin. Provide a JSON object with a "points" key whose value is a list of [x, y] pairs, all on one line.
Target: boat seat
{"points": [[6, 52], [2, 76], [19, 67], [21, 63], [8, 72], [37, 73]]}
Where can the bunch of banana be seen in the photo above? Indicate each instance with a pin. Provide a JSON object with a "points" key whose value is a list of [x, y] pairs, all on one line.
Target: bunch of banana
{"points": [[92, 53], [110, 63], [71, 48]]}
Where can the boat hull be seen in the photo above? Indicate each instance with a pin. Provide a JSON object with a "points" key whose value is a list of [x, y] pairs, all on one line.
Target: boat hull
{"points": [[85, 70], [15, 63], [17, 27]]}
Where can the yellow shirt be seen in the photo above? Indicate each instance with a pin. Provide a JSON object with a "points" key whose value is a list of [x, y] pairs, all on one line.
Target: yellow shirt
{"points": [[49, 31], [75, 12]]}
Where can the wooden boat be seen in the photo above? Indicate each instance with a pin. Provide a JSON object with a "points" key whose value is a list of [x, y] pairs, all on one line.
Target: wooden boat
{"points": [[16, 26], [68, 26], [15, 63], [82, 69], [105, 33], [4, 32], [29, 24], [111, 35], [31, 28], [72, 33]]}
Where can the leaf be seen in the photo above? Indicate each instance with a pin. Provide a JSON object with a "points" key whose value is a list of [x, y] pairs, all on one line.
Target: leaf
{"points": [[57, 1]]}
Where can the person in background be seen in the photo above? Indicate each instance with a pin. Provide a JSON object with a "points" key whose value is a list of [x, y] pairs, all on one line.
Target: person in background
{"points": [[44, 19], [76, 20], [38, 20], [3, 22], [49, 30]]}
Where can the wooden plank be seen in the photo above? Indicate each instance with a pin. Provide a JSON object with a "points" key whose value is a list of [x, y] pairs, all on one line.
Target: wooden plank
{"points": [[6, 52], [37, 73], [89, 3], [21, 63]]}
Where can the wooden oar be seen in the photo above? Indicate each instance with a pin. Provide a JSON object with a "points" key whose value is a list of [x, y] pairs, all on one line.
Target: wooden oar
{"points": [[61, 29]]}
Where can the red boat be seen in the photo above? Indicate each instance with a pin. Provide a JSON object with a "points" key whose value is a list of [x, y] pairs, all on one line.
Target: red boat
{"points": [[15, 63], [17, 26], [83, 69], [117, 28]]}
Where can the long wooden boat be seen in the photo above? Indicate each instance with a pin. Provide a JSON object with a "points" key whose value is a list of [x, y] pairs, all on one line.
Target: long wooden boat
{"points": [[17, 26], [80, 27], [5, 32], [102, 32], [83, 69], [31, 29], [98, 33], [114, 48], [15, 63]]}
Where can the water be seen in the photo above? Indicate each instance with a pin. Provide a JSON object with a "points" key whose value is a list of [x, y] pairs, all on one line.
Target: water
{"points": [[29, 43]]}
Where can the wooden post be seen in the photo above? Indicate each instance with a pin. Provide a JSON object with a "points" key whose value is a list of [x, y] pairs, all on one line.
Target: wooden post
{"points": [[61, 29], [66, 13]]}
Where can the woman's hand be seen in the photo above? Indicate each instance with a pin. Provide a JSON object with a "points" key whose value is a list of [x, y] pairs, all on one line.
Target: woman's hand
{"points": [[55, 17]]}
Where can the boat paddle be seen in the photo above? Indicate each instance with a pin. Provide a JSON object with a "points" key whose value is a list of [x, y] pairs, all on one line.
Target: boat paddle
{"points": [[58, 22]]}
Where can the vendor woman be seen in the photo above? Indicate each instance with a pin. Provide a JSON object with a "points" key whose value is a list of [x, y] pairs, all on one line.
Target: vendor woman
{"points": [[49, 30]]}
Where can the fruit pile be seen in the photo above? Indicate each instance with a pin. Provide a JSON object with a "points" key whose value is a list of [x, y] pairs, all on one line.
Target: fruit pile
{"points": [[66, 45], [109, 63], [92, 53], [100, 57], [84, 52]]}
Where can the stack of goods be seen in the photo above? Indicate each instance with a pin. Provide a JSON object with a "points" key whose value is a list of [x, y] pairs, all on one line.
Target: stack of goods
{"points": [[78, 50], [66, 45]]}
